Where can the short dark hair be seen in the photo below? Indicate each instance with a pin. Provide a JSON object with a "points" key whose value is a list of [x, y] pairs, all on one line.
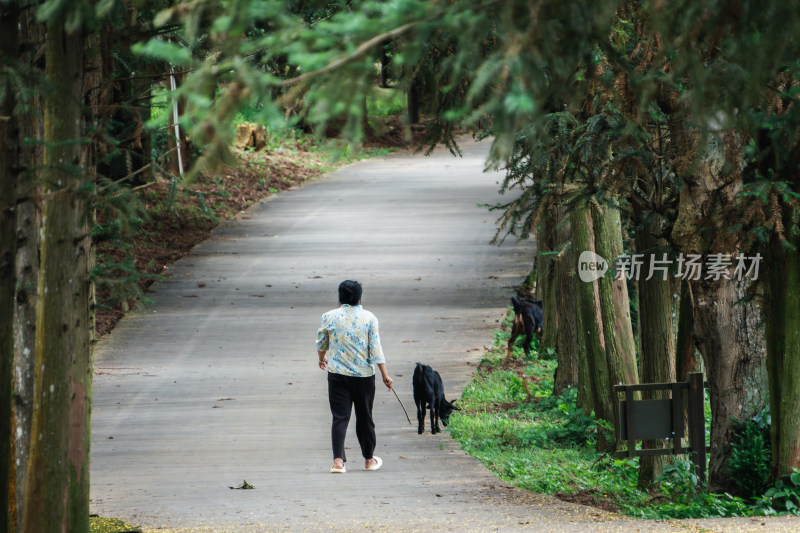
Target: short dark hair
{"points": [[349, 292]]}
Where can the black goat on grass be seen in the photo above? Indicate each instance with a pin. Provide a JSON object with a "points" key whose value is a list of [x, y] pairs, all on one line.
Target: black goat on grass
{"points": [[528, 319], [429, 393]]}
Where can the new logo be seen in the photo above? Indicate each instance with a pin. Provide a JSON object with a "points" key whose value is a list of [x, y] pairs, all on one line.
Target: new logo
{"points": [[591, 266]]}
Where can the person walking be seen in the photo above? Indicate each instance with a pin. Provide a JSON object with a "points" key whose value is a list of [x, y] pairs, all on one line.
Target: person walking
{"points": [[350, 333]]}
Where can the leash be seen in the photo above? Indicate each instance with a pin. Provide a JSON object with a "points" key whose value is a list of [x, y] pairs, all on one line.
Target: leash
{"points": [[401, 405]]}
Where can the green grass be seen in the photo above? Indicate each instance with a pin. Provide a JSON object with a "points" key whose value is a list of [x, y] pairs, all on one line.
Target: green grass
{"points": [[542, 443], [108, 525]]}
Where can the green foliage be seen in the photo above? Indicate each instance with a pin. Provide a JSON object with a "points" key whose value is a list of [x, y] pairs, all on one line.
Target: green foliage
{"points": [[557, 117], [384, 102], [163, 50], [324, 58], [679, 478], [783, 497], [545, 444], [576, 428], [751, 459], [119, 214], [160, 106], [119, 280], [703, 505]]}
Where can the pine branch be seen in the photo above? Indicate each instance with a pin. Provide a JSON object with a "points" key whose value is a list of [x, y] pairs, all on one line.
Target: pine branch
{"points": [[359, 52]]}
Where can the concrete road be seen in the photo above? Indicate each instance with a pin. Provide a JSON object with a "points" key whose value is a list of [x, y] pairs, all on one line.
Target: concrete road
{"points": [[216, 382]]}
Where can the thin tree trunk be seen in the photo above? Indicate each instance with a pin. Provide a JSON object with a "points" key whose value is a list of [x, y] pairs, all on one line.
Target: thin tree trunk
{"points": [[384, 71], [413, 99], [685, 352], [184, 154], [61, 315], [656, 344], [588, 296], [9, 170], [545, 284], [567, 335]]}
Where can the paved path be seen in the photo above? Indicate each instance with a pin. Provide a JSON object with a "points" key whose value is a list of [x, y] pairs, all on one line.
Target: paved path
{"points": [[217, 382]]}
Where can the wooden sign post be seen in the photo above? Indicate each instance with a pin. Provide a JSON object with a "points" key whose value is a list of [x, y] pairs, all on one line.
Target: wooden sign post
{"points": [[664, 419]]}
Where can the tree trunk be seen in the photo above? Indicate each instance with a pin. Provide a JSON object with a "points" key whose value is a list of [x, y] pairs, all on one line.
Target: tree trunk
{"points": [[384, 71], [656, 344], [545, 282], [82, 377], [413, 102], [685, 352], [178, 158], [28, 222], [585, 394], [728, 333], [614, 300], [63, 306], [730, 337], [9, 170], [567, 345], [97, 58], [595, 370], [783, 352]]}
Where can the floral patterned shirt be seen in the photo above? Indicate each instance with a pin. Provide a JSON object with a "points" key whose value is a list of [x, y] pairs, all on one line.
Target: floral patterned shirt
{"points": [[351, 334]]}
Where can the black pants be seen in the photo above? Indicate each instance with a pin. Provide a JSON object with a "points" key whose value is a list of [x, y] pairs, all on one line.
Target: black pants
{"points": [[344, 393]]}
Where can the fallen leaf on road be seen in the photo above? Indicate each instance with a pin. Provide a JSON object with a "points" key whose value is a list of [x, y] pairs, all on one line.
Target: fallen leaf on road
{"points": [[244, 485]]}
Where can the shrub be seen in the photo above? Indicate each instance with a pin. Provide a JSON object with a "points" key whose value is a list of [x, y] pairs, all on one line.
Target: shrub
{"points": [[750, 462]]}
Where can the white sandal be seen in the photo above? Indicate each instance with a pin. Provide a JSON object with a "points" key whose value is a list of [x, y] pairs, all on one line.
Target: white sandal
{"points": [[375, 466]]}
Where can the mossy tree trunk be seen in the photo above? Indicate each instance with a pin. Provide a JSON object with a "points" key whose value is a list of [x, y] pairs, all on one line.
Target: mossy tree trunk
{"points": [[614, 306], [614, 300], [593, 376], [58, 471]]}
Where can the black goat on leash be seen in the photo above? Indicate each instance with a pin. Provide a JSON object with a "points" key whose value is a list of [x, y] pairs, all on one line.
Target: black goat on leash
{"points": [[429, 393]]}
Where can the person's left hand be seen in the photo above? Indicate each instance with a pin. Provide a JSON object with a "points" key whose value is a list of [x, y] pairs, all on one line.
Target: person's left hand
{"points": [[323, 364], [388, 382]]}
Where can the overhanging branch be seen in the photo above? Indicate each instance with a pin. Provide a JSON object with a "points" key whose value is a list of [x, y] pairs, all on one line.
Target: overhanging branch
{"points": [[359, 52]]}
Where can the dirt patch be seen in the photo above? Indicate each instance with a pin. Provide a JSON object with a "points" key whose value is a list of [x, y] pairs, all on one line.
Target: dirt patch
{"points": [[589, 497]]}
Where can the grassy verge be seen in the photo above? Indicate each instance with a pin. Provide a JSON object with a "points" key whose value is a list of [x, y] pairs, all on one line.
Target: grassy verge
{"points": [[512, 423]]}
